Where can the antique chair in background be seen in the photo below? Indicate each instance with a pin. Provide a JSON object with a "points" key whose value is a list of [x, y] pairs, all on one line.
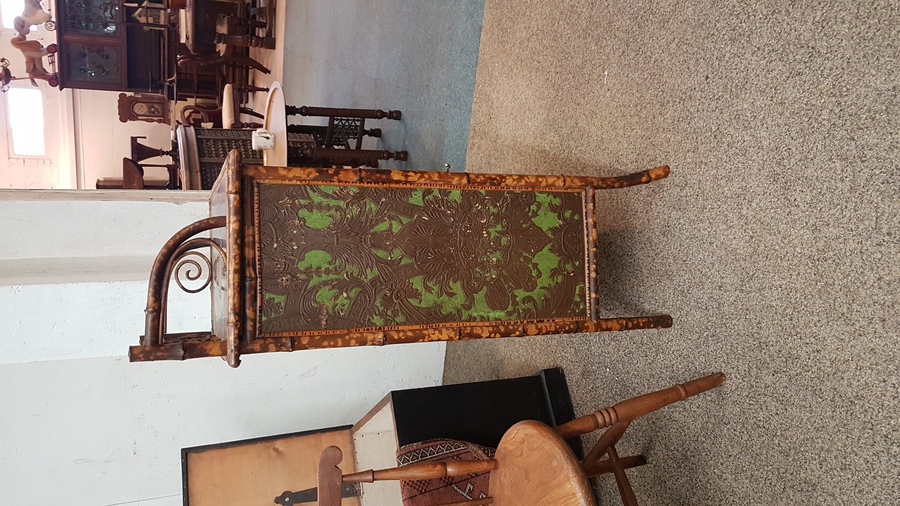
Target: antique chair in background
{"points": [[133, 176], [344, 125], [249, 30], [200, 72], [226, 115], [339, 142], [141, 152], [533, 465]]}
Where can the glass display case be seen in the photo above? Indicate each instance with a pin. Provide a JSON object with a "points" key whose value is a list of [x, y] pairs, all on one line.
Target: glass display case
{"points": [[91, 18], [92, 63], [104, 47]]}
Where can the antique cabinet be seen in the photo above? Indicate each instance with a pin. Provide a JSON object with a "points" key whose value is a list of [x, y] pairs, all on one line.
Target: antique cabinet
{"points": [[305, 258], [102, 46]]}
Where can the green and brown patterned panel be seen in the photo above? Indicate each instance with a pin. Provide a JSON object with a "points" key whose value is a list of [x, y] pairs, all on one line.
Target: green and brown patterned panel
{"points": [[336, 256]]}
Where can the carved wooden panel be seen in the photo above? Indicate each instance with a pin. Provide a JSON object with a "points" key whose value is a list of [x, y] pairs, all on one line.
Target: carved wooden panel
{"points": [[345, 256]]}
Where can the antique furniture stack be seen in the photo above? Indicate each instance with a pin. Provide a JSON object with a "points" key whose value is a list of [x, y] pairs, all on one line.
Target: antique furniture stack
{"points": [[338, 143], [134, 46]]}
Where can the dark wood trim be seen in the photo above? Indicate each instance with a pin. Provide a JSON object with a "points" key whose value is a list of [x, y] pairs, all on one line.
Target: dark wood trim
{"points": [[556, 389]]}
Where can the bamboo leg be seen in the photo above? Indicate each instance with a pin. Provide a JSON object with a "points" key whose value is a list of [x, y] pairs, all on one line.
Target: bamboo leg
{"points": [[630, 323], [606, 183]]}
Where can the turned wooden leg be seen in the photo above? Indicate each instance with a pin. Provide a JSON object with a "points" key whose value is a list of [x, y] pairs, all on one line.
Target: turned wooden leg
{"points": [[249, 88], [329, 477], [342, 112], [423, 471], [630, 409], [343, 156], [605, 466]]}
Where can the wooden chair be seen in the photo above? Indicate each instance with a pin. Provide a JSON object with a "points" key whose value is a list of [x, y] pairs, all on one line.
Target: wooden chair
{"points": [[533, 465], [195, 69], [341, 140], [133, 176], [244, 31], [227, 115], [141, 152]]}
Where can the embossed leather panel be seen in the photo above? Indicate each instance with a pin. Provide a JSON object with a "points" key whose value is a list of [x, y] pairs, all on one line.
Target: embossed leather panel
{"points": [[336, 256]]}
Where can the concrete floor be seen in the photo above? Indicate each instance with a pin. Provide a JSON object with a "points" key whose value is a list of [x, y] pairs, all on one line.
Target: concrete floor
{"points": [[418, 57], [773, 244]]}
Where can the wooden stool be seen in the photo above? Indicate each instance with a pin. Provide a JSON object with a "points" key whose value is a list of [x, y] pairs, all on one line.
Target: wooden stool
{"points": [[533, 465]]}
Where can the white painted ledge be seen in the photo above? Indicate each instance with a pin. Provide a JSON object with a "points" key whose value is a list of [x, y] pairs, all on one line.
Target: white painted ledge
{"points": [[61, 270], [175, 197]]}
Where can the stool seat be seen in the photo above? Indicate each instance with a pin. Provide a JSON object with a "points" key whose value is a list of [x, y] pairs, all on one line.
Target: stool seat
{"points": [[533, 465], [536, 466]]}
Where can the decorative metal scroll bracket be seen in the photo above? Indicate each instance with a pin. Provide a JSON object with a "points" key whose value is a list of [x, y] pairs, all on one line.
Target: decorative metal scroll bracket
{"points": [[178, 256]]}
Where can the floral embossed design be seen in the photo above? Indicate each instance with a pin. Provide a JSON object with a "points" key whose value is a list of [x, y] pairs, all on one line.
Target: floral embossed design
{"points": [[339, 256]]}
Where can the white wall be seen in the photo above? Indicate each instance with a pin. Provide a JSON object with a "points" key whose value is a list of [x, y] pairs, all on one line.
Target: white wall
{"points": [[103, 431], [57, 168], [77, 419], [104, 140], [68, 262]]}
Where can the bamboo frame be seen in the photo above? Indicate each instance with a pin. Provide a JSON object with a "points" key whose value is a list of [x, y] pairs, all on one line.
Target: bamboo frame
{"points": [[239, 332]]}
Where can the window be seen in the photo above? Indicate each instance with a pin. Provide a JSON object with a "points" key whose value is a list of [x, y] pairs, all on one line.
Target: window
{"points": [[9, 9], [26, 121]]}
